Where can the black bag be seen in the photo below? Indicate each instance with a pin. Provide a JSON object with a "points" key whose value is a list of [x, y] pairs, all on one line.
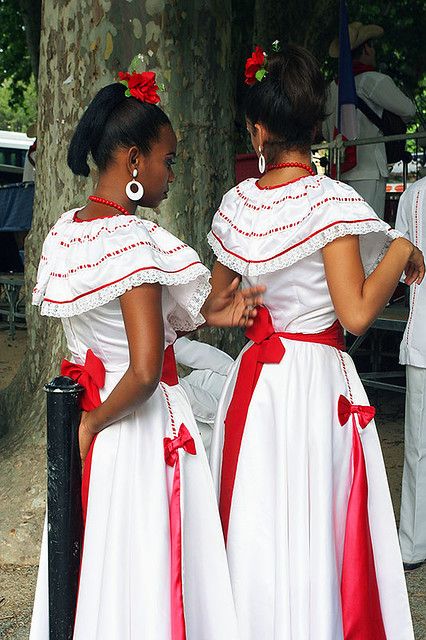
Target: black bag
{"points": [[389, 124]]}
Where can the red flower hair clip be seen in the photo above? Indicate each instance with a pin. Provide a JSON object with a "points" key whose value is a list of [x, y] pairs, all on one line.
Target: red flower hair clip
{"points": [[141, 86], [255, 66]]}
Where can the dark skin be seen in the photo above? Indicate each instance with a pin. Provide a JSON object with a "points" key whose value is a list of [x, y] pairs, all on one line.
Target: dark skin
{"points": [[357, 300], [142, 306]]}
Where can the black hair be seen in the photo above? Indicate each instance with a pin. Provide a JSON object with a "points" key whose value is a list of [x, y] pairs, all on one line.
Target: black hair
{"points": [[113, 120], [289, 101]]}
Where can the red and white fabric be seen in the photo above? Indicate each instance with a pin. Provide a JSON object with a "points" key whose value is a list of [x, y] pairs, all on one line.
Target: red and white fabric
{"points": [[152, 536], [305, 469], [410, 220]]}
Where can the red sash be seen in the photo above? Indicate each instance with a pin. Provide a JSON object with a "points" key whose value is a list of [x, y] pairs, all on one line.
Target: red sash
{"points": [[361, 612], [267, 348]]}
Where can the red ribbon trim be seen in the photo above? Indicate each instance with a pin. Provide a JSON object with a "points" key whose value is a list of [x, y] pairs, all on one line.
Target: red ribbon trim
{"points": [[267, 348], [361, 611], [183, 441]]}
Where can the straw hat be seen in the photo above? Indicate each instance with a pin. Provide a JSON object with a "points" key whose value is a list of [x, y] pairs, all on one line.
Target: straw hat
{"points": [[358, 34]]}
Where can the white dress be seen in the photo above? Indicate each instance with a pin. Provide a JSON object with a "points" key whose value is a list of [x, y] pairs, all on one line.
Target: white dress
{"points": [[125, 581], [295, 469]]}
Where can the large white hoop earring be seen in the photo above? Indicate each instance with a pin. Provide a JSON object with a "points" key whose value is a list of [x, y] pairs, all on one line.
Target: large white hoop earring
{"points": [[134, 189], [262, 162]]}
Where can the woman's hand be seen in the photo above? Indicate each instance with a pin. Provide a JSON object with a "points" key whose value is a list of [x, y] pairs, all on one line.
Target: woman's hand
{"points": [[85, 435], [233, 307], [415, 267]]}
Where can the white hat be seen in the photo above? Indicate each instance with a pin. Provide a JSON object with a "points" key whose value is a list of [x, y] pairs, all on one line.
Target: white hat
{"points": [[358, 34]]}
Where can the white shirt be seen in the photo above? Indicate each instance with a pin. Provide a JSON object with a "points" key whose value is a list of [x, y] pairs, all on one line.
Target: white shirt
{"points": [[379, 92], [410, 221]]}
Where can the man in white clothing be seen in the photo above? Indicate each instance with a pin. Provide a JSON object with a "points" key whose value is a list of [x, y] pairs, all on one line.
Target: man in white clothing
{"points": [[379, 92], [411, 221], [204, 384]]}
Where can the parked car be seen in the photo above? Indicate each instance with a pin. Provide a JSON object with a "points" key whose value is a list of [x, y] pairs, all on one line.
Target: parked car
{"points": [[13, 148]]}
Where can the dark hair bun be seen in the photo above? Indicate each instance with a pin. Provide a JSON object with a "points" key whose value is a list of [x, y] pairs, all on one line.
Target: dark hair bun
{"points": [[113, 120], [290, 100]]}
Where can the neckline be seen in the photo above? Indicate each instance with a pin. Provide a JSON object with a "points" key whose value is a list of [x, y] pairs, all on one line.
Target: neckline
{"points": [[75, 217], [283, 184]]}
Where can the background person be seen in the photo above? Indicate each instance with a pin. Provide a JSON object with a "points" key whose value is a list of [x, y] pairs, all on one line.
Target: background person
{"points": [[204, 384], [411, 221], [379, 92]]}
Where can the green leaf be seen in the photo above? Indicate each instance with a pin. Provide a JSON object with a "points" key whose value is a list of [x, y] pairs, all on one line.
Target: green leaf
{"points": [[260, 74], [137, 65], [127, 93]]}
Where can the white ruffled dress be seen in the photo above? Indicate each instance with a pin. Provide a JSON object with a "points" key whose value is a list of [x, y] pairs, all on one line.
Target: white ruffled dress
{"points": [[295, 470], [125, 581]]}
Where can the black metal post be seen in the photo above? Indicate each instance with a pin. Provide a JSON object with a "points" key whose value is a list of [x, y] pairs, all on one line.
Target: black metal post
{"points": [[64, 517]]}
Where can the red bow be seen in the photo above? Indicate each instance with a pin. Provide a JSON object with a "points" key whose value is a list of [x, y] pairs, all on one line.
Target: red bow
{"points": [[183, 440], [361, 611], [346, 408], [91, 376]]}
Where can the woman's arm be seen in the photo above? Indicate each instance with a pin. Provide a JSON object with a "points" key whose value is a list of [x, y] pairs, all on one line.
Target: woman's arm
{"points": [[222, 277], [227, 305], [358, 300], [143, 321]]}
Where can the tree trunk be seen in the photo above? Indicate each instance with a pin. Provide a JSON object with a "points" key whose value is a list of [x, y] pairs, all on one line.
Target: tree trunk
{"points": [[84, 43], [31, 16]]}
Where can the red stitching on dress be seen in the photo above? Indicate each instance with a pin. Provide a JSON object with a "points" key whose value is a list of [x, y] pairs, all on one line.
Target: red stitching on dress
{"points": [[91, 238], [416, 242], [117, 252], [169, 408], [345, 373], [253, 234], [109, 284], [304, 194], [332, 224]]}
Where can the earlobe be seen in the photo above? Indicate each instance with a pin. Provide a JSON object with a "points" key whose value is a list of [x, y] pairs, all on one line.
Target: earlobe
{"points": [[134, 159]]}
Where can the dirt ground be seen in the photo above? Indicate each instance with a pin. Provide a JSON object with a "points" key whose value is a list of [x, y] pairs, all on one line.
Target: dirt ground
{"points": [[11, 353], [17, 583]]}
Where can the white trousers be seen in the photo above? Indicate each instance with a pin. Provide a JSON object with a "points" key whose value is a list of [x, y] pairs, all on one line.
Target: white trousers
{"points": [[373, 192], [412, 530]]}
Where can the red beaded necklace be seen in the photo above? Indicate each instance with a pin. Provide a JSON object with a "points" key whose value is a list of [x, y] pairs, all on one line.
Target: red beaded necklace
{"points": [[109, 203], [285, 165]]}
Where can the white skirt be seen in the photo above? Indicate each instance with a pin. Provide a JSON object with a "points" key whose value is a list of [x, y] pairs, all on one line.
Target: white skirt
{"points": [[124, 591], [288, 512]]}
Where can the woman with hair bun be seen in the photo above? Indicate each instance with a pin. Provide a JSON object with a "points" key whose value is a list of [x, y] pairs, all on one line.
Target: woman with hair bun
{"points": [[153, 564], [304, 501]]}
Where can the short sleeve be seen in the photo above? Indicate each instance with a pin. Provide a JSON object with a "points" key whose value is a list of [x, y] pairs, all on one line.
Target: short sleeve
{"points": [[87, 264]]}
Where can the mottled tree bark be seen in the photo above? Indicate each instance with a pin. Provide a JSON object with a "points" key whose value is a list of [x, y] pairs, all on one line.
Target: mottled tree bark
{"points": [[84, 43], [31, 15]]}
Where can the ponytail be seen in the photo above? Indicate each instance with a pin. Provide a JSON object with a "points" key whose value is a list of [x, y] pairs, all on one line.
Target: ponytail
{"points": [[113, 120]]}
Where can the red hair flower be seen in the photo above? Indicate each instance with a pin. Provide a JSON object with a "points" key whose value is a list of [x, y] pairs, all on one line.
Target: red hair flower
{"points": [[255, 66], [141, 86]]}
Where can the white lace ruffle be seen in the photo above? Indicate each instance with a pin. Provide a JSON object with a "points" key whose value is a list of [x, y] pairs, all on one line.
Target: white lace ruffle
{"points": [[189, 321], [317, 242], [392, 234]]}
